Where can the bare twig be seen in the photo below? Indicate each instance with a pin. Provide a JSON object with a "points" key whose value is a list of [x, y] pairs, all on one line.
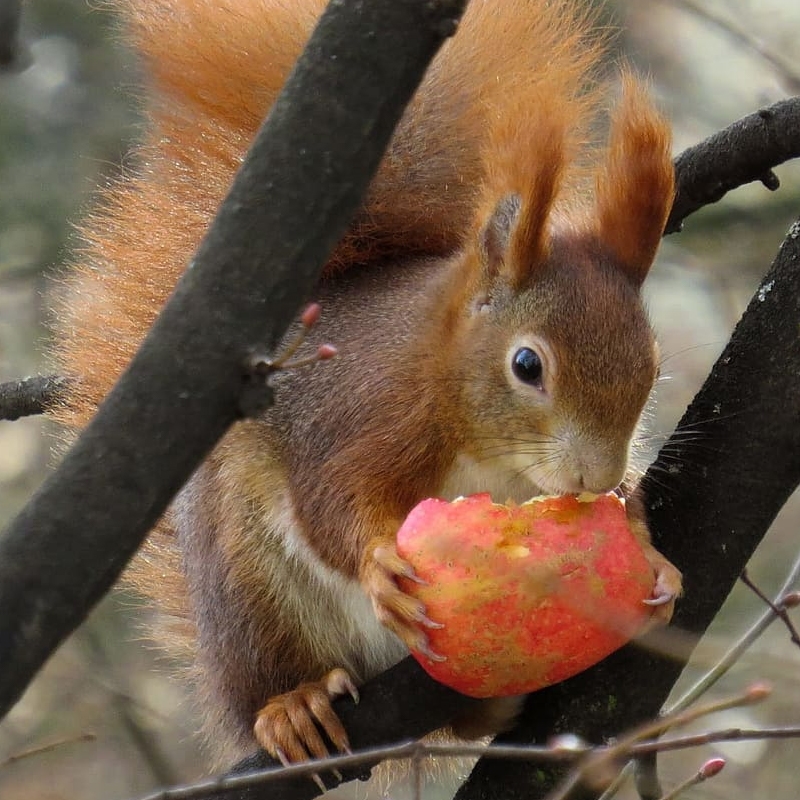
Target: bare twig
{"points": [[778, 610], [740, 35], [47, 748], [233, 787], [711, 768], [738, 649], [30, 396], [724, 735], [599, 768]]}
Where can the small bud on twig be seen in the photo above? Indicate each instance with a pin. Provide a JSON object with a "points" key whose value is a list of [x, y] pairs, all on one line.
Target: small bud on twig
{"points": [[326, 351], [310, 315], [757, 692], [711, 768], [257, 395], [790, 600]]}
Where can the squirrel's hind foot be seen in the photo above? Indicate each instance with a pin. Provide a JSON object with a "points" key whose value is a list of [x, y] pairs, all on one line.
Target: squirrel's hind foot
{"points": [[292, 727]]}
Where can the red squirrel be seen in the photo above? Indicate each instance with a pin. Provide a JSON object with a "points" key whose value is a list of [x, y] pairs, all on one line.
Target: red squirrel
{"points": [[485, 305]]}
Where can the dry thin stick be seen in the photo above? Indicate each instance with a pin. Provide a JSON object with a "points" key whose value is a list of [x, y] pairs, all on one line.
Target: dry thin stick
{"points": [[742, 36], [776, 608], [738, 649], [722, 735], [416, 751], [711, 768], [600, 763], [233, 786], [46, 748], [753, 694]]}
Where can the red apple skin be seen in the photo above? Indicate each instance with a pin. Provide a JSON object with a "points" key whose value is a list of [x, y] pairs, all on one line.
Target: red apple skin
{"points": [[528, 595]]}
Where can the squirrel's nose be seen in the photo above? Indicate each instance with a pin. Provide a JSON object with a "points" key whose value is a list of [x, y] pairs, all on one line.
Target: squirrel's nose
{"points": [[600, 478]]}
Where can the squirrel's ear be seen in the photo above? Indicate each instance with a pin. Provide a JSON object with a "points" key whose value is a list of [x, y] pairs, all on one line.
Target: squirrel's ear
{"points": [[514, 239], [495, 238], [635, 186]]}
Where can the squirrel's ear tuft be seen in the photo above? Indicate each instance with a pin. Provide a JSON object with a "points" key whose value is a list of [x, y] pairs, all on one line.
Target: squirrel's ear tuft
{"points": [[521, 185], [635, 186]]}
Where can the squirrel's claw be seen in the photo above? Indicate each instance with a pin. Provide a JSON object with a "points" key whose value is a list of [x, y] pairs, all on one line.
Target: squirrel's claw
{"points": [[284, 759], [658, 599], [290, 727], [667, 588], [402, 614]]}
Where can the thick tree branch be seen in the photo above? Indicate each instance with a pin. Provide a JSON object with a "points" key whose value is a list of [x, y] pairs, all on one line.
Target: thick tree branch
{"points": [[742, 153], [10, 49], [184, 386]]}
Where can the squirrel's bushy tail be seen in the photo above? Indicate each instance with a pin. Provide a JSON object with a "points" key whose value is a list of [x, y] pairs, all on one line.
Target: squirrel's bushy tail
{"points": [[212, 70]]}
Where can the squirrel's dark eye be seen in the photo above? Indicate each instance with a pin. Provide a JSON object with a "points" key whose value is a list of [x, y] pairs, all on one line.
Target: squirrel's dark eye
{"points": [[527, 366]]}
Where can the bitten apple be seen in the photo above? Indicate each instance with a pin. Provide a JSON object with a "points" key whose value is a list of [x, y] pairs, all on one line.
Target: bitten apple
{"points": [[528, 594]]}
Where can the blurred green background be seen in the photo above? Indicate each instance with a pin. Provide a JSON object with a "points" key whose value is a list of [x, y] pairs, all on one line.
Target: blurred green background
{"points": [[65, 125]]}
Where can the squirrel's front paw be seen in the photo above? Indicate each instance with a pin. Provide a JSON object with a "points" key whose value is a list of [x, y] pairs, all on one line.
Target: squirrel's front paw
{"points": [[402, 614], [667, 589], [668, 585], [288, 727]]}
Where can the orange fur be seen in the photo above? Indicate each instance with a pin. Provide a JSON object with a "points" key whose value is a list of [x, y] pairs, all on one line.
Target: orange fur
{"points": [[531, 176], [264, 566], [636, 184]]}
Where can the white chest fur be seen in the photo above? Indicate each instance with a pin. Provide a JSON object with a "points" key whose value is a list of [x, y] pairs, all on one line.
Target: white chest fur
{"points": [[334, 612], [504, 479]]}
